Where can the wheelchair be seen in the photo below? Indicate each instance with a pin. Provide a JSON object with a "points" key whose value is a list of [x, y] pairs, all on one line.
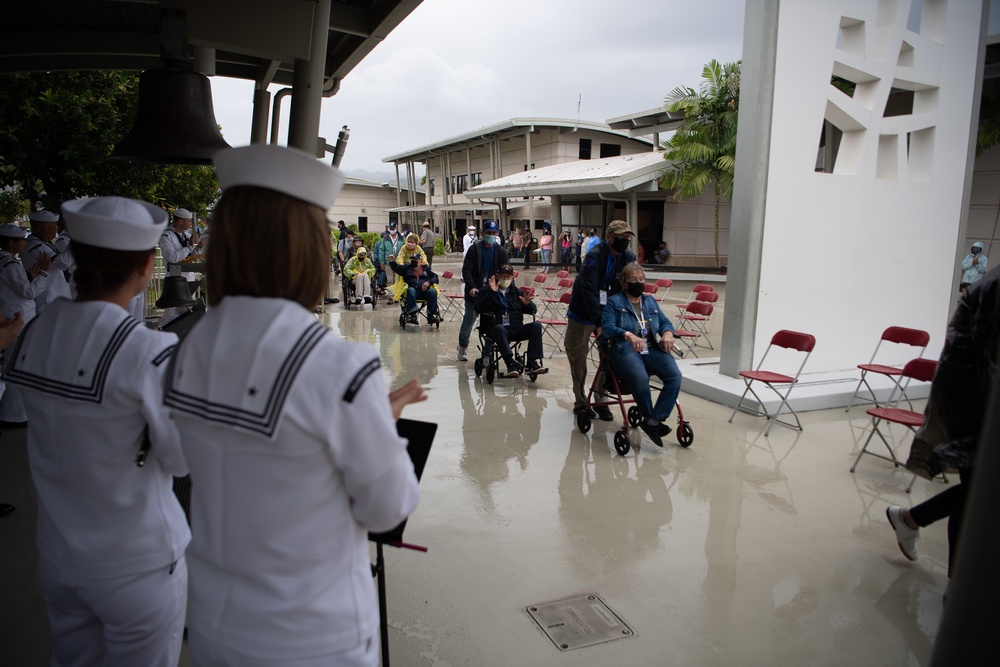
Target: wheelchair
{"points": [[414, 318], [347, 287], [487, 365], [618, 389]]}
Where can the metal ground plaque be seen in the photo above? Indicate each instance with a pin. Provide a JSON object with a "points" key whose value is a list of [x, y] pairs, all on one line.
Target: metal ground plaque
{"points": [[582, 620]]}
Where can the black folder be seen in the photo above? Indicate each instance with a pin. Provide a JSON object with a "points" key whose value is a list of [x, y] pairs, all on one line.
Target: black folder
{"points": [[419, 436]]}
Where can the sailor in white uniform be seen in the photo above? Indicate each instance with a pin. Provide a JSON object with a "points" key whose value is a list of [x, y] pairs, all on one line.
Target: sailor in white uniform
{"points": [[287, 480], [44, 228], [18, 289], [175, 242], [111, 535]]}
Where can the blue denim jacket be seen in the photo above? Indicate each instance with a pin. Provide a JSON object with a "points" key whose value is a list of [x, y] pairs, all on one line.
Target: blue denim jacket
{"points": [[618, 318]]}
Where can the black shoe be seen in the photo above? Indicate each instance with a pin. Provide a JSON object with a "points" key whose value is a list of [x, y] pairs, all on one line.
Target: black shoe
{"points": [[513, 370], [604, 412], [583, 408], [412, 319], [4, 424], [651, 428], [665, 430], [6, 509], [535, 367], [368, 300]]}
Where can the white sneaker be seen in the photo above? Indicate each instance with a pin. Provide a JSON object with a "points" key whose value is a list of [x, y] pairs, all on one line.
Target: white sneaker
{"points": [[461, 354], [906, 537]]}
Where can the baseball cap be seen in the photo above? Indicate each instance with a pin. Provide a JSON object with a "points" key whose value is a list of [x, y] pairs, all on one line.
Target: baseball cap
{"points": [[619, 227], [490, 226], [506, 268]]}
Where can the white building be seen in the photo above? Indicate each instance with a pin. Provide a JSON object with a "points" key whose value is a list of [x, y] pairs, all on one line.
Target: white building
{"points": [[367, 203]]}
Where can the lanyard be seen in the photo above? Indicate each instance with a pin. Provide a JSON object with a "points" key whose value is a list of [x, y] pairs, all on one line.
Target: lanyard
{"points": [[503, 300], [489, 261], [610, 270], [641, 317]]}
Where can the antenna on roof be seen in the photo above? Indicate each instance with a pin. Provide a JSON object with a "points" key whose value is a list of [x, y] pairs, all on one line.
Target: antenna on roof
{"points": [[578, 102]]}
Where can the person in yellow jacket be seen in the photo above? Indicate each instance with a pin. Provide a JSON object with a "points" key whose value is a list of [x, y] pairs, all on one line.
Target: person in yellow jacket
{"points": [[410, 249], [361, 271]]}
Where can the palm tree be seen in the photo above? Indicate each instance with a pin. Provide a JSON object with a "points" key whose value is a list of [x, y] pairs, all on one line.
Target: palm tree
{"points": [[703, 149]]}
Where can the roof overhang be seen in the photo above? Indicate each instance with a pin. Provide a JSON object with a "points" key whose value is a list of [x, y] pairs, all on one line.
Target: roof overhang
{"points": [[646, 123], [614, 175], [246, 39]]}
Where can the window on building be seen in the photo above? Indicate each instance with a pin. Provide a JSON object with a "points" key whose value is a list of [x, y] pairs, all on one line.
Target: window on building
{"points": [[610, 150], [526, 167], [477, 178], [461, 184], [584, 149]]}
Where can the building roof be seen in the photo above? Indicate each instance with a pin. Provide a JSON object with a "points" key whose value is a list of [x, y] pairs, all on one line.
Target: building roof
{"points": [[368, 183], [126, 34], [646, 123], [511, 127], [606, 176]]}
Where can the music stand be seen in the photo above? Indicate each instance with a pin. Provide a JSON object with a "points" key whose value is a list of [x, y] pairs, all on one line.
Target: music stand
{"points": [[419, 436]]}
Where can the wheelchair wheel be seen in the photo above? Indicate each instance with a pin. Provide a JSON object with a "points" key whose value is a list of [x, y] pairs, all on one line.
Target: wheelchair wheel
{"points": [[685, 434], [621, 442], [532, 376], [634, 416], [479, 367], [402, 321], [583, 421], [490, 373]]}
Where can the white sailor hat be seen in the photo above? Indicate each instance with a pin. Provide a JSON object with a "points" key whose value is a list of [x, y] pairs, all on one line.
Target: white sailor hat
{"points": [[289, 171], [11, 231], [43, 216], [183, 213], [114, 222], [472, 228]]}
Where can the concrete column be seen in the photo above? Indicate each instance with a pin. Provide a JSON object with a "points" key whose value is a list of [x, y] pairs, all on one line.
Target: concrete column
{"points": [[261, 109], [307, 85], [555, 211], [760, 36]]}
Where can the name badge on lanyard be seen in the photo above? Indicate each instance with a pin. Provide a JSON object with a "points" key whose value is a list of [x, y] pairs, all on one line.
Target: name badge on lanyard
{"points": [[604, 297], [506, 320]]}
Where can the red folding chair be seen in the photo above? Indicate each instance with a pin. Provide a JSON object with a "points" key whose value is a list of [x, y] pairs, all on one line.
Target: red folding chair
{"points": [[897, 336], [453, 301], [666, 284], [651, 289], [918, 369], [550, 303], [792, 340], [550, 324], [695, 291]]}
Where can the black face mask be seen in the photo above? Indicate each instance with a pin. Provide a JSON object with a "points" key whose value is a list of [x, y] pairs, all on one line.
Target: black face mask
{"points": [[634, 289], [976, 251], [620, 244]]}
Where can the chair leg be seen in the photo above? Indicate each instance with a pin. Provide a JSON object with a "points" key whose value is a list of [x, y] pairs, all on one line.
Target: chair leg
{"points": [[865, 447], [740, 402]]}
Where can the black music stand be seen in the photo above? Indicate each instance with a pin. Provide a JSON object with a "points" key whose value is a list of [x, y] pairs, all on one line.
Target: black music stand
{"points": [[419, 436]]}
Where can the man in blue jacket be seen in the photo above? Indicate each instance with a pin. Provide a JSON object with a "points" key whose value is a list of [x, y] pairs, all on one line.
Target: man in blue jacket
{"points": [[599, 278], [483, 260]]}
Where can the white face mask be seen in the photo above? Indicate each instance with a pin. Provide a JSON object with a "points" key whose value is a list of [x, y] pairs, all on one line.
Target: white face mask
{"points": [[505, 283], [411, 245]]}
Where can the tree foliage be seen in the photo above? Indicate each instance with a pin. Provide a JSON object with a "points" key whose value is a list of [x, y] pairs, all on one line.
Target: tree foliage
{"points": [[57, 131], [702, 151]]}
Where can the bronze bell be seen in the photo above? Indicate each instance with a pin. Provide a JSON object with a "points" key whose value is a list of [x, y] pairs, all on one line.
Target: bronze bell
{"points": [[176, 293], [175, 122]]}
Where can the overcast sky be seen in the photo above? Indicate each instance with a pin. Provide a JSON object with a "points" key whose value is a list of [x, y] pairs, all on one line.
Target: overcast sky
{"points": [[456, 65]]}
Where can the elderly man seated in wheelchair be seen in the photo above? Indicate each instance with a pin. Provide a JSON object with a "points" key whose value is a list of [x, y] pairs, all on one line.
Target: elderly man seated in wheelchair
{"points": [[630, 325], [420, 285], [360, 271], [508, 305]]}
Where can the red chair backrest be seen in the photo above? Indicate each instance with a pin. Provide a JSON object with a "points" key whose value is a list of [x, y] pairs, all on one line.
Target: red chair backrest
{"points": [[664, 282], [447, 275], [562, 274], [649, 288], [516, 272], [566, 296], [528, 291], [914, 337], [700, 308], [920, 369], [794, 340], [540, 278], [566, 282], [702, 288], [707, 297]]}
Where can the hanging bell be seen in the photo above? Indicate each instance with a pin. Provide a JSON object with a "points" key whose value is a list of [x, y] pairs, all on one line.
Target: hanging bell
{"points": [[176, 293], [175, 122]]}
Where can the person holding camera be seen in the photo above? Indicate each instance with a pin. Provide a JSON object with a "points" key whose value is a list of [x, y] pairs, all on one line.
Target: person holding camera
{"points": [[973, 266]]}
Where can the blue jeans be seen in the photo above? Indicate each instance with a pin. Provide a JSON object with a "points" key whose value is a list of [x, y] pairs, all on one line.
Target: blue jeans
{"points": [[468, 321], [636, 369], [429, 295], [546, 258]]}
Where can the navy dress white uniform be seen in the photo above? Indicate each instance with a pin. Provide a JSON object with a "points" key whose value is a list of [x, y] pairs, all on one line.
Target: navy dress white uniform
{"points": [[17, 295], [111, 535], [287, 479], [58, 285]]}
